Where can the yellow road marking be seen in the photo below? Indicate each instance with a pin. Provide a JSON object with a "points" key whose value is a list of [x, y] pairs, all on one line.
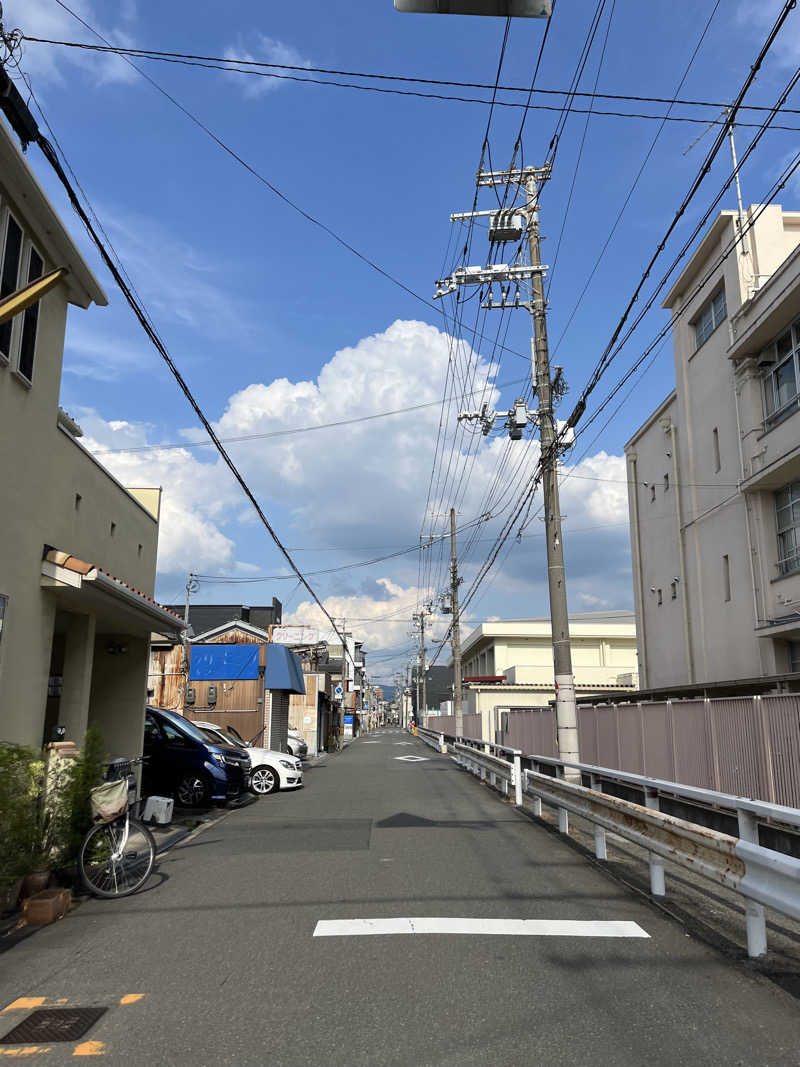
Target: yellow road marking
{"points": [[25, 1004], [90, 1048], [27, 1050], [131, 998]]}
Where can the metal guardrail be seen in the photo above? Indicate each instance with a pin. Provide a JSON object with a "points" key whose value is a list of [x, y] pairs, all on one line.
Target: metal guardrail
{"points": [[761, 875]]}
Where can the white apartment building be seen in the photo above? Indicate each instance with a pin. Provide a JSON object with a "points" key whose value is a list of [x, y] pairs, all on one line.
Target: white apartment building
{"points": [[714, 472], [509, 664]]}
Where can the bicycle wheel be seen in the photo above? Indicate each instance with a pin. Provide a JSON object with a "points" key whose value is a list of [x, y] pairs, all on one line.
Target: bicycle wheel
{"points": [[105, 876]]}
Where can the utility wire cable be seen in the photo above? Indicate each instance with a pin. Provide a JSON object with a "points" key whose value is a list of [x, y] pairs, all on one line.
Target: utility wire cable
{"points": [[52, 157], [154, 54], [262, 179]]}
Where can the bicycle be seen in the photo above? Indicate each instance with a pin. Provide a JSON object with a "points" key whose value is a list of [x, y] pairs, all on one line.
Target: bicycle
{"points": [[117, 854]]}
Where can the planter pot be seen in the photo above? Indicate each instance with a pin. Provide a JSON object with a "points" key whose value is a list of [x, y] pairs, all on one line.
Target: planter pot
{"points": [[9, 895], [35, 882]]}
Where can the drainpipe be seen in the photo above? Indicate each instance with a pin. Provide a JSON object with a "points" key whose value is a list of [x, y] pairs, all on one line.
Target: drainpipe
{"points": [[687, 634], [638, 585], [748, 530]]}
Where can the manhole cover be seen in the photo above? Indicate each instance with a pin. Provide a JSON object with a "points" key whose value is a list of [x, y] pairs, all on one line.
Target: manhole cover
{"points": [[53, 1024]]}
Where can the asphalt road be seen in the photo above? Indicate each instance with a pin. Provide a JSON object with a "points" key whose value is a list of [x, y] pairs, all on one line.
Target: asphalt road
{"points": [[216, 962]]}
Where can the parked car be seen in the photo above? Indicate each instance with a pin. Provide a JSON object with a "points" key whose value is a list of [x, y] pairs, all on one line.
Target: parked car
{"points": [[183, 763], [270, 770], [297, 744]]}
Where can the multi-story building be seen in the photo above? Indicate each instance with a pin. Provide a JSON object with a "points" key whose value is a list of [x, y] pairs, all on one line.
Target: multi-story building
{"points": [[508, 665], [78, 550], [714, 472]]}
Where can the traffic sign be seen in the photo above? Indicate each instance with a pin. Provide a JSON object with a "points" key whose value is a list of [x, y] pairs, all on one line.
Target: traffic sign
{"points": [[338, 692]]}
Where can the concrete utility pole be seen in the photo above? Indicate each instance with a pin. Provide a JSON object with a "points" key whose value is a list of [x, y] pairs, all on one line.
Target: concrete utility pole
{"points": [[422, 664], [566, 713], [455, 582], [511, 225], [191, 587]]}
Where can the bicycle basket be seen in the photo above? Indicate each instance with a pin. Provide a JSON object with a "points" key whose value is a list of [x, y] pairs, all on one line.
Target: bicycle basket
{"points": [[109, 800]]}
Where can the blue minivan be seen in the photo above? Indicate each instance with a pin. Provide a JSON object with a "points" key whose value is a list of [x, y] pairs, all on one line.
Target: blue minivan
{"points": [[182, 763]]}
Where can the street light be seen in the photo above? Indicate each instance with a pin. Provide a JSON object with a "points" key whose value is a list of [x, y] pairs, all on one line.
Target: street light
{"points": [[520, 9]]}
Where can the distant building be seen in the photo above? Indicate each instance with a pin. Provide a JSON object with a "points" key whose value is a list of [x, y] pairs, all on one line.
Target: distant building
{"points": [[204, 617], [714, 472], [439, 686], [508, 665], [78, 550]]}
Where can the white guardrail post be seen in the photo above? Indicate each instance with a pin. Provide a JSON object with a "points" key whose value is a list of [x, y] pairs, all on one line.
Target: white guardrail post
{"points": [[442, 745], [600, 851], [657, 881], [518, 777], [755, 919]]}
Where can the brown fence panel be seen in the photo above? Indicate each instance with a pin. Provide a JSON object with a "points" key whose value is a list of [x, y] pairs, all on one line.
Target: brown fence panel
{"points": [[587, 734], [532, 730], [629, 726], [739, 747], [446, 724], [607, 736], [658, 757], [691, 747], [782, 716]]}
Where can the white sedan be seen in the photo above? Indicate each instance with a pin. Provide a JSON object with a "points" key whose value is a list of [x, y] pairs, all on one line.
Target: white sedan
{"points": [[270, 770]]}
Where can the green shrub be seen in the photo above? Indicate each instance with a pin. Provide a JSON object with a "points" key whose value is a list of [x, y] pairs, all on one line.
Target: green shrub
{"points": [[75, 814], [19, 791]]}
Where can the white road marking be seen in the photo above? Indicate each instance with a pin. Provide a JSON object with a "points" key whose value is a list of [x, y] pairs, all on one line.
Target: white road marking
{"points": [[508, 927], [372, 742], [412, 759], [403, 742]]}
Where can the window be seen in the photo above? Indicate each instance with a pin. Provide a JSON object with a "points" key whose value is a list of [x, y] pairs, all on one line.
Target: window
{"points": [[715, 446], [659, 598], [78, 499], [781, 380], [726, 578], [30, 320], [711, 315], [787, 513], [666, 483], [652, 493], [9, 274], [794, 656], [112, 529], [674, 587]]}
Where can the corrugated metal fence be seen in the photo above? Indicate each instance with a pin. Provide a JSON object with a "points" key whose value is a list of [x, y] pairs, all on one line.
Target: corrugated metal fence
{"points": [[749, 746], [446, 724]]}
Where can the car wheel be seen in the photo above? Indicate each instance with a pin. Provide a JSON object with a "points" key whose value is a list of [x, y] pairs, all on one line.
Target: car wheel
{"points": [[264, 780], [193, 790], [290, 750]]}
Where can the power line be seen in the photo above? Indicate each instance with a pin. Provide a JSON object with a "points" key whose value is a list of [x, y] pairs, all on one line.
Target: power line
{"points": [[288, 433], [243, 66], [263, 180], [51, 156]]}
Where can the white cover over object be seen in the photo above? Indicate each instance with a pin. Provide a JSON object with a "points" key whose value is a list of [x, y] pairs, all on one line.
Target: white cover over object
{"points": [[158, 809]]}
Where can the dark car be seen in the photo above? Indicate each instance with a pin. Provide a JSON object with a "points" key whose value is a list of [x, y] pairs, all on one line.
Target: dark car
{"points": [[181, 762]]}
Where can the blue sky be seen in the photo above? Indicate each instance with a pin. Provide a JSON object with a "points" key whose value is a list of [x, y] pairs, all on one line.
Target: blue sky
{"points": [[277, 327]]}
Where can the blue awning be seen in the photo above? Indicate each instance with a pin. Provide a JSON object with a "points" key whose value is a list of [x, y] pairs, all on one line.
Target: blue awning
{"points": [[283, 670]]}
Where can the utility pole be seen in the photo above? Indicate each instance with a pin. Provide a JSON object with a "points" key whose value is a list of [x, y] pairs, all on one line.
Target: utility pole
{"points": [[566, 713], [455, 582], [512, 225], [191, 587], [419, 618]]}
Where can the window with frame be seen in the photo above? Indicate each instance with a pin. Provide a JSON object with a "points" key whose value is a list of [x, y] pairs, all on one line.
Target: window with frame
{"points": [[781, 379], [710, 316], [20, 264], [787, 514], [794, 656]]}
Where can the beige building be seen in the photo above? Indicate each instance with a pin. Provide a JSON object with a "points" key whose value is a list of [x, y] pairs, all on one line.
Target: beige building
{"points": [[509, 664], [78, 552], [714, 473]]}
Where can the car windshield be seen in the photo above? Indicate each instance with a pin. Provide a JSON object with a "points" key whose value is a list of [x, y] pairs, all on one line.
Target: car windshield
{"points": [[212, 736], [237, 737], [186, 727]]}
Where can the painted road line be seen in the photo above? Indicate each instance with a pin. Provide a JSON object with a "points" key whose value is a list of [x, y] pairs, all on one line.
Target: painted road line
{"points": [[507, 927], [412, 759]]}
